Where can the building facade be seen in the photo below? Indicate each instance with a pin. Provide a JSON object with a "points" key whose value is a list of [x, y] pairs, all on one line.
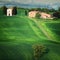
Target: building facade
{"points": [[9, 12], [44, 15]]}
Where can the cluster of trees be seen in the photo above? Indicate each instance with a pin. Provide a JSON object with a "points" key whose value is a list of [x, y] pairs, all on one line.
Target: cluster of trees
{"points": [[57, 13], [5, 10]]}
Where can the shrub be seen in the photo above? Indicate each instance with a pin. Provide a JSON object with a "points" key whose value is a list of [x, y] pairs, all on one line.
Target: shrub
{"points": [[37, 15], [39, 50]]}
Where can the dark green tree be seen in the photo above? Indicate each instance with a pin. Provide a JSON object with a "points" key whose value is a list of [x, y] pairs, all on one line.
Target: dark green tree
{"points": [[14, 10], [26, 12], [52, 10], [45, 10], [56, 14], [59, 9], [4, 10]]}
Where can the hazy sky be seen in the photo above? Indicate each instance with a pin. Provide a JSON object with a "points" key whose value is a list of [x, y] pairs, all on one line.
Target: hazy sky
{"points": [[32, 1]]}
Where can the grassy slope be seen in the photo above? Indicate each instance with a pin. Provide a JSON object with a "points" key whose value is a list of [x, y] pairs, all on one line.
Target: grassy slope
{"points": [[50, 28], [18, 34], [55, 28]]}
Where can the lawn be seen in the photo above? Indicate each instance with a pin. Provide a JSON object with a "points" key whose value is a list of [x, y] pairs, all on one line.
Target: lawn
{"points": [[19, 33]]}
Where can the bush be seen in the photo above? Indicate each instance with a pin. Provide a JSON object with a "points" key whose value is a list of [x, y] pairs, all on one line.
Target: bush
{"points": [[39, 50], [37, 15]]}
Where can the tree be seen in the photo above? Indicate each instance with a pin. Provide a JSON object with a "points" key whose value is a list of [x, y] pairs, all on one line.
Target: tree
{"points": [[59, 9], [39, 51], [14, 10], [56, 14], [45, 10], [37, 15], [52, 10], [39, 9], [4, 10], [26, 12]]}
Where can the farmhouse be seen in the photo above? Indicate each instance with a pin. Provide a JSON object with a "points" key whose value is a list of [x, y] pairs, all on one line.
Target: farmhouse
{"points": [[9, 12], [42, 14], [32, 13], [45, 15]]}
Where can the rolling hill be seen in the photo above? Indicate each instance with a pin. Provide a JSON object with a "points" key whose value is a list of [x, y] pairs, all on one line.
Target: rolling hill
{"points": [[18, 34]]}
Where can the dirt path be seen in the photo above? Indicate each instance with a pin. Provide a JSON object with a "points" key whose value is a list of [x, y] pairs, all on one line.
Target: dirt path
{"points": [[36, 32], [42, 29]]}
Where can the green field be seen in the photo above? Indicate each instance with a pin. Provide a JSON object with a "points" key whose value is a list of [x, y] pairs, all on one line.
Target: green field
{"points": [[18, 34]]}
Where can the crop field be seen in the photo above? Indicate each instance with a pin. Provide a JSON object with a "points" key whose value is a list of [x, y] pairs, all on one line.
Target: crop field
{"points": [[19, 33]]}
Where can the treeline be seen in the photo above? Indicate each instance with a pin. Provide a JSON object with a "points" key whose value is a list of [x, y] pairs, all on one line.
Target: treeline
{"points": [[35, 9], [53, 12]]}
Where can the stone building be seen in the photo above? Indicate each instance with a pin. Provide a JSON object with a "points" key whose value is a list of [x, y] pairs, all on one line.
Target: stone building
{"points": [[44, 15], [9, 12]]}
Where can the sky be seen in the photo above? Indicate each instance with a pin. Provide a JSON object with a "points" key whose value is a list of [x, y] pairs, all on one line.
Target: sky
{"points": [[32, 1], [37, 3]]}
